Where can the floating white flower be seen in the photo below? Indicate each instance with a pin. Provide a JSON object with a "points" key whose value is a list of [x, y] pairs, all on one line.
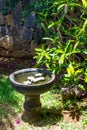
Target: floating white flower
{"points": [[38, 74], [26, 82], [35, 79], [38, 79], [31, 78]]}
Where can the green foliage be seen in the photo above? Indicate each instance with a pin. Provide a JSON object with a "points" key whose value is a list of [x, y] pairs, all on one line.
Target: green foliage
{"points": [[73, 75], [7, 93], [57, 57], [69, 103], [65, 32], [10, 4]]}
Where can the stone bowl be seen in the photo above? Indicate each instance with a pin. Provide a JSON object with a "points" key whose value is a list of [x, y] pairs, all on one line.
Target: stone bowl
{"points": [[32, 89]]}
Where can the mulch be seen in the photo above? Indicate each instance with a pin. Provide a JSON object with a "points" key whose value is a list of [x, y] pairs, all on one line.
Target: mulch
{"points": [[9, 65]]}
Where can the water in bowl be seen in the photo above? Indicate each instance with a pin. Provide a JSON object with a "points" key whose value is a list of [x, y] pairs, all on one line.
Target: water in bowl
{"points": [[24, 77]]}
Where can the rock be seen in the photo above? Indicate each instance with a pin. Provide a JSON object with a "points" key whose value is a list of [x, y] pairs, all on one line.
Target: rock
{"points": [[9, 30], [16, 40], [9, 19], [6, 30], [20, 53], [26, 34], [0, 33], [4, 52], [2, 19], [18, 44], [7, 42], [38, 34], [68, 93], [17, 14], [3, 31], [30, 21], [15, 32]]}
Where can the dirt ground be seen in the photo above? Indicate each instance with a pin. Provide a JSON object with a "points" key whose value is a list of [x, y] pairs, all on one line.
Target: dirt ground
{"points": [[13, 121]]}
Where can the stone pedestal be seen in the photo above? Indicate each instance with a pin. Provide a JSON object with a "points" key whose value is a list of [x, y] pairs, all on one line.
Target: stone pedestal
{"points": [[32, 108]]}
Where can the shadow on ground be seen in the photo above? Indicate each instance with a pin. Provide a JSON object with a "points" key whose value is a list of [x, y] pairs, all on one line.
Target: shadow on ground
{"points": [[49, 117], [7, 115], [9, 119], [9, 65]]}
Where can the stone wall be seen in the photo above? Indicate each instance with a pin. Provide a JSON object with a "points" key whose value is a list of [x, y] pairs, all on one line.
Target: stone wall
{"points": [[16, 39]]}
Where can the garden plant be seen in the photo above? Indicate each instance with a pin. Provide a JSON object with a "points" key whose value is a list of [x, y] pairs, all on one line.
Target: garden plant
{"points": [[65, 37]]}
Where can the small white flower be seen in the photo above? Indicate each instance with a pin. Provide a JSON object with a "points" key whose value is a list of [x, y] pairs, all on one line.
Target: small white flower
{"points": [[30, 78], [38, 74], [26, 82], [38, 79]]}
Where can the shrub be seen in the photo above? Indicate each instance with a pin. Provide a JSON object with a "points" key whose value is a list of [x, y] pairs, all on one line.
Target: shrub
{"points": [[65, 35]]}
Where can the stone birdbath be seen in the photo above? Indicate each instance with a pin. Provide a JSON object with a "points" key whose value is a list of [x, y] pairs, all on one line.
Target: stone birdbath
{"points": [[32, 82]]}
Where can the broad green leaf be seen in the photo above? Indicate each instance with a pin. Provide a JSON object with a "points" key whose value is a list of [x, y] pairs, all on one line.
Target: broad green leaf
{"points": [[75, 4], [47, 38], [70, 70], [61, 6], [51, 24], [78, 71], [66, 46], [38, 49], [82, 87], [43, 26], [85, 78], [84, 51], [76, 44], [59, 51], [61, 60], [70, 48], [47, 56], [47, 64], [84, 26], [39, 60], [59, 2], [84, 2]]}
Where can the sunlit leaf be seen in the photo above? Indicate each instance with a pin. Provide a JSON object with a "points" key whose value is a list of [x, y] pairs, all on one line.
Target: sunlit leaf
{"points": [[67, 45], [78, 71], [60, 7], [40, 59], [84, 2], [70, 70], [84, 51], [59, 51], [82, 87], [47, 56], [47, 38], [61, 60], [38, 49], [51, 25]]}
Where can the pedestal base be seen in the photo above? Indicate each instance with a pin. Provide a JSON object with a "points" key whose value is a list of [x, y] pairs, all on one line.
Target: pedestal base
{"points": [[32, 108]]}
